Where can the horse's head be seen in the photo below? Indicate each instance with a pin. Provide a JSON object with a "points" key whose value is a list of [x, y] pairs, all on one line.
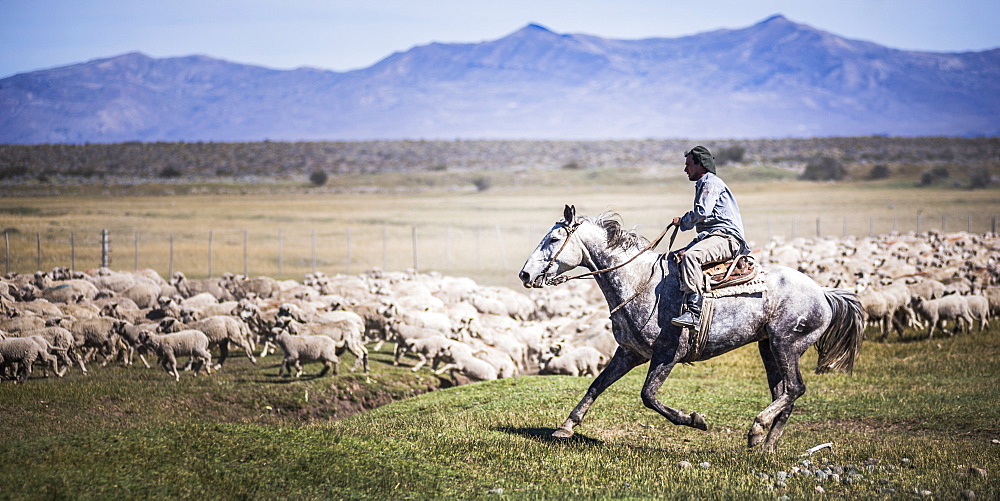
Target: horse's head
{"points": [[557, 253]]}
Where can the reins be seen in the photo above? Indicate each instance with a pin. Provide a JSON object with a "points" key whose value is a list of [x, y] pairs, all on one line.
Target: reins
{"points": [[569, 232]]}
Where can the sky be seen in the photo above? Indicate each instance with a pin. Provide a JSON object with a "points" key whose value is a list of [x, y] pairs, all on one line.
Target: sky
{"points": [[342, 35]]}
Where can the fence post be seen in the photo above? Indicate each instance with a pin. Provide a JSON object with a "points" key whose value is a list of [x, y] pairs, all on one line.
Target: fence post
{"points": [[210, 237], [6, 240], [313, 246], [348, 251], [170, 266], [105, 249], [871, 227], [72, 250], [942, 223], [136, 258], [281, 253], [819, 233], [447, 248], [478, 238], [503, 255], [246, 257], [414, 231]]}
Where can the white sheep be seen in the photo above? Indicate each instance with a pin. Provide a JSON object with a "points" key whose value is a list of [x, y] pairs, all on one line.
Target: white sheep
{"points": [[427, 349], [20, 354], [168, 347], [577, 361], [222, 330], [101, 334], [951, 307], [461, 360], [62, 342], [979, 308], [345, 334], [298, 349]]}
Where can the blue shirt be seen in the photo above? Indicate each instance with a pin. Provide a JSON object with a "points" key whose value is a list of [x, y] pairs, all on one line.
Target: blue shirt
{"points": [[715, 210]]}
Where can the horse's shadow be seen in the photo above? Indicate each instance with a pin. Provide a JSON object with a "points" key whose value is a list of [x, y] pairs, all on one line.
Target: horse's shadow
{"points": [[545, 435]]}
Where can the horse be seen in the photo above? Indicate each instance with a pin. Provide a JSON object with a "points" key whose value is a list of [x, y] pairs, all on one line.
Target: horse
{"points": [[642, 289]]}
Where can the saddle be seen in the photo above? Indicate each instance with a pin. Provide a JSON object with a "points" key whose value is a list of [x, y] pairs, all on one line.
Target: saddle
{"points": [[736, 271]]}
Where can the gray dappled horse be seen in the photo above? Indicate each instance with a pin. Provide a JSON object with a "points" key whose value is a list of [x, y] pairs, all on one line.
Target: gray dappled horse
{"points": [[793, 314]]}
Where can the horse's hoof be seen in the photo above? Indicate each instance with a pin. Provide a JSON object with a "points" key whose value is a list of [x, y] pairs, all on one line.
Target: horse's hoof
{"points": [[698, 421], [562, 433]]}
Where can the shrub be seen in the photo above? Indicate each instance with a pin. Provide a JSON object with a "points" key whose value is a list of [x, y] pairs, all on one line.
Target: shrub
{"points": [[823, 169], [318, 178], [880, 171], [573, 165], [729, 154], [482, 183], [930, 176], [170, 172], [979, 178]]}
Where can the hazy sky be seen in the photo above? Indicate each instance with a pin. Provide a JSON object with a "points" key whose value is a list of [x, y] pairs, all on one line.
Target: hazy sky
{"points": [[349, 34]]}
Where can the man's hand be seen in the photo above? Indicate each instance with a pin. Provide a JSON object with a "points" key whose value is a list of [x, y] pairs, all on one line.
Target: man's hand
{"points": [[677, 221]]}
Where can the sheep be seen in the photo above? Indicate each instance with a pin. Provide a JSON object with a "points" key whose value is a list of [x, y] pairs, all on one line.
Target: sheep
{"points": [[578, 361], [168, 347], [427, 348], [952, 307], [979, 308], [66, 291], [345, 334], [21, 322], [61, 340], [188, 288], [462, 361], [23, 353], [504, 363], [222, 330], [298, 349], [101, 334]]}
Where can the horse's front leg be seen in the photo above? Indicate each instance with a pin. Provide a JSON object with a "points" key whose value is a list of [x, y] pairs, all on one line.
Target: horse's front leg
{"points": [[659, 369], [620, 364]]}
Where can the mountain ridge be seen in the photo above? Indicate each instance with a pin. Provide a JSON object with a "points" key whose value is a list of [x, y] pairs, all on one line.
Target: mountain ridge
{"points": [[776, 78]]}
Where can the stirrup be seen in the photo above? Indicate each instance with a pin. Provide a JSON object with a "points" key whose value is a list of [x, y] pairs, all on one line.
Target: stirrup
{"points": [[688, 319]]}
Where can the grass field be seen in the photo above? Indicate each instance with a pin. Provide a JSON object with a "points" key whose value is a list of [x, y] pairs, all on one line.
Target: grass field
{"points": [[917, 419]]}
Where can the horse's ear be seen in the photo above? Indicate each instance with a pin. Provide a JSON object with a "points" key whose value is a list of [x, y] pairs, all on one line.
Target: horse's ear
{"points": [[569, 214]]}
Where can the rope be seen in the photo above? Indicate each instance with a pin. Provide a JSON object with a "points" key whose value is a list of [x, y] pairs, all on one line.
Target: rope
{"points": [[561, 280]]}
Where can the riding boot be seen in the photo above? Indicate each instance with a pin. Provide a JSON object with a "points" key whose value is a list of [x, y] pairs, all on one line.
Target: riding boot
{"points": [[690, 317]]}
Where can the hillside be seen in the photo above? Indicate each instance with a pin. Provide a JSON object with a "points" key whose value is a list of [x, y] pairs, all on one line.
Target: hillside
{"points": [[943, 158], [774, 79]]}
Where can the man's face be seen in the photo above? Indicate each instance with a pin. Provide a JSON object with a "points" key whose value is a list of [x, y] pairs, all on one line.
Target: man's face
{"points": [[692, 169]]}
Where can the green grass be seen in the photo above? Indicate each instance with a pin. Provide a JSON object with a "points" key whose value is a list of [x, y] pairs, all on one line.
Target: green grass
{"points": [[915, 416]]}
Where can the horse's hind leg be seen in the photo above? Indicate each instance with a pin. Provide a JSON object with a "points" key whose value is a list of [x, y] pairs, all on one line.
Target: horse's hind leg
{"points": [[621, 363]]}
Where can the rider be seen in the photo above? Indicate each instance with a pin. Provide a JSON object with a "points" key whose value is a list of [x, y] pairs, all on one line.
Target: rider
{"points": [[720, 230]]}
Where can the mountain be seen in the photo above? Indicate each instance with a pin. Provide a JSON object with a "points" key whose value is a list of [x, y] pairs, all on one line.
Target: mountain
{"points": [[776, 78]]}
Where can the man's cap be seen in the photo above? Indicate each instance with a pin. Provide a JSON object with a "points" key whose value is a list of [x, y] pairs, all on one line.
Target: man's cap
{"points": [[704, 157]]}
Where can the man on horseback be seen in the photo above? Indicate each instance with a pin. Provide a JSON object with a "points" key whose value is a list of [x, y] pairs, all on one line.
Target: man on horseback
{"points": [[720, 230]]}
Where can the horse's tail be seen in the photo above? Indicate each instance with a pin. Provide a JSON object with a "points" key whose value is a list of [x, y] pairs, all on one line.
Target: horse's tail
{"points": [[841, 343]]}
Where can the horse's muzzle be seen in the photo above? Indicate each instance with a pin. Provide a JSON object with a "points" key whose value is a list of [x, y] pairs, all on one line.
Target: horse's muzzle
{"points": [[528, 283]]}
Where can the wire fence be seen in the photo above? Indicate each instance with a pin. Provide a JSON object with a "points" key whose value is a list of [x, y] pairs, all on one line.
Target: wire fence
{"points": [[474, 251]]}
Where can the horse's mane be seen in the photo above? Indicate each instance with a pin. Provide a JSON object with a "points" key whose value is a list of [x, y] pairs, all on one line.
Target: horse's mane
{"points": [[618, 236]]}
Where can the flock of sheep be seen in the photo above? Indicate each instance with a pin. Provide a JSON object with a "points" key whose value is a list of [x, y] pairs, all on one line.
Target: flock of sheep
{"points": [[917, 281], [66, 319]]}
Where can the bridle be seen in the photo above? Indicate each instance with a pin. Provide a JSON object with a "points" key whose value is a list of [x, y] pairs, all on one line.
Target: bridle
{"points": [[571, 228]]}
